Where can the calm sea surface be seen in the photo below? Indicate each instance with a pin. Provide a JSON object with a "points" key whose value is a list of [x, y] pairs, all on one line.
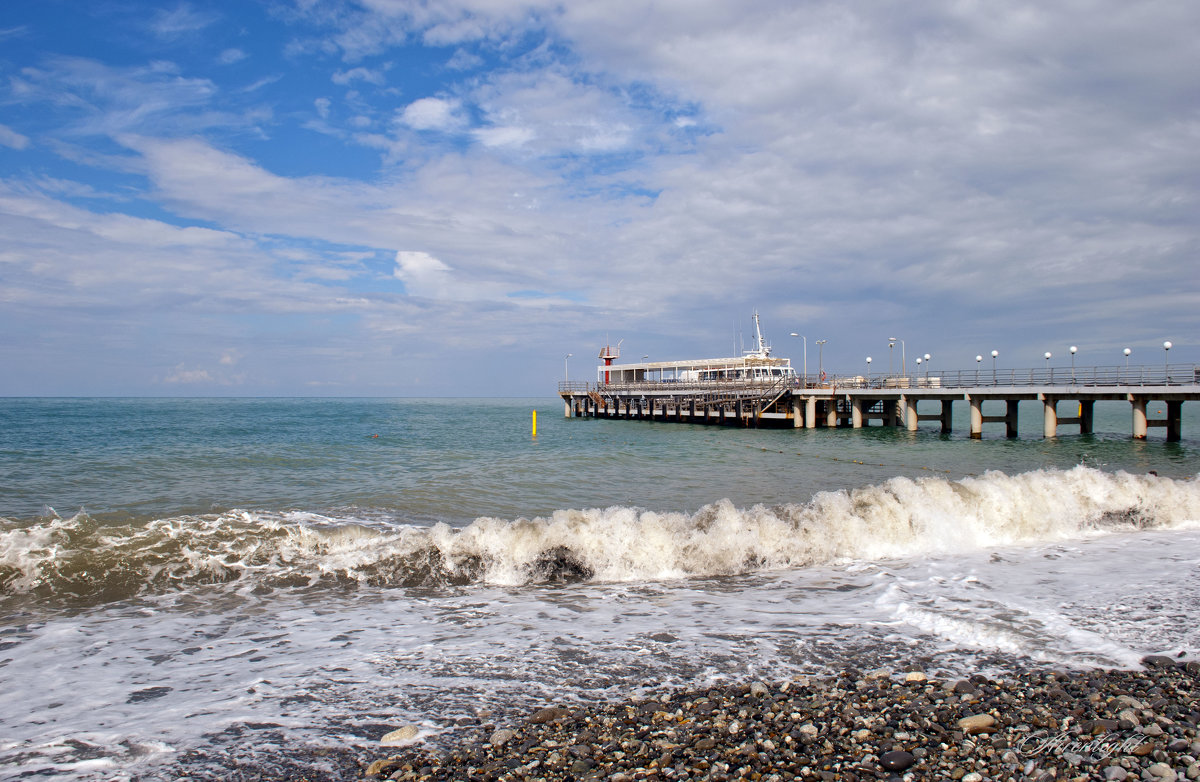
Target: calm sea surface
{"points": [[195, 585]]}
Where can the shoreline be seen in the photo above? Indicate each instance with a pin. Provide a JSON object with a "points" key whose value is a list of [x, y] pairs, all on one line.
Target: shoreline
{"points": [[1034, 724]]}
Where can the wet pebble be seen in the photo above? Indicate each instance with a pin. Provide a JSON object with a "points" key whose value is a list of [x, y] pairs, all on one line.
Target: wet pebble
{"points": [[1028, 725]]}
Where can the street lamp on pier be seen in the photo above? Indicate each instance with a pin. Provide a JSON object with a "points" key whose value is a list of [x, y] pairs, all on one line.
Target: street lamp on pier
{"points": [[821, 357], [903, 360], [1127, 351], [994, 354], [1166, 366], [1049, 371], [801, 336], [565, 378], [1073, 350]]}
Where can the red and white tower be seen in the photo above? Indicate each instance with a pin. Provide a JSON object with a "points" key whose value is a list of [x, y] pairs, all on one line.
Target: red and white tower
{"points": [[609, 353]]}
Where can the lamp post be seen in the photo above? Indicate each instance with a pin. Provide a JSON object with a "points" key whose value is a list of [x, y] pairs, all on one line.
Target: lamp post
{"points": [[1073, 349], [1166, 367], [868, 370], [565, 378], [994, 354], [903, 360], [821, 357], [918, 370], [1127, 351], [927, 358], [801, 336], [977, 360], [1049, 371]]}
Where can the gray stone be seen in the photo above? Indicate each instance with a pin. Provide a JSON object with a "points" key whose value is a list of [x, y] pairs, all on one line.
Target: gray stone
{"points": [[1115, 774], [964, 687], [759, 690], [501, 737], [897, 760], [1163, 772], [548, 714]]}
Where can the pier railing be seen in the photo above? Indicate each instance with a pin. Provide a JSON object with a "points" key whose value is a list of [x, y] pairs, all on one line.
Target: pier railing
{"points": [[1108, 376], [981, 377]]}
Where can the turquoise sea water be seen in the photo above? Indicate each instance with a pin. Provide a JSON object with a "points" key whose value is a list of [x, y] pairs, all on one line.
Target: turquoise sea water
{"points": [[205, 584], [456, 460]]}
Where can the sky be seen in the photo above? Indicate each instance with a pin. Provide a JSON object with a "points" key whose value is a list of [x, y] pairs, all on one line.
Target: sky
{"points": [[414, 198]]}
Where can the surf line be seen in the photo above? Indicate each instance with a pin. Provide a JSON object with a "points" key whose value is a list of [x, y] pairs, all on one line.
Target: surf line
{"points": [[891, 465]]}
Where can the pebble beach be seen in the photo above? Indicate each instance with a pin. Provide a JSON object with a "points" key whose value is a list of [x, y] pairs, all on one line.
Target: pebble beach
{"points": [[1035, 724]]}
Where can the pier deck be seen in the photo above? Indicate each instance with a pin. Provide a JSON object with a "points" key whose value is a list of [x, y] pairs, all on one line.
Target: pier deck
{"points": [[894, 400]]}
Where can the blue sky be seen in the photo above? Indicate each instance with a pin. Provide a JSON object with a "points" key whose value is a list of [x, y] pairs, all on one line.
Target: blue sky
{"points": [[383, 197]]}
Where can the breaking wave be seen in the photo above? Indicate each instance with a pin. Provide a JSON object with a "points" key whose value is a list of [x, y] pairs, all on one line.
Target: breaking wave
{"points": [[78, 560]]}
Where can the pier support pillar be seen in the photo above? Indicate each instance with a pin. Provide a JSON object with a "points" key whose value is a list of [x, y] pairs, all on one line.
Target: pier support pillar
{"points": [[856, 412], [976, 417], [947, 415], [810, 412], [567, 408], [901, 412], [889, 412], [1086, 415], [1011, 406], [912, 417], [1049, 417], [831, 417], [797, 416], [1174, 421], [1139, 417]]}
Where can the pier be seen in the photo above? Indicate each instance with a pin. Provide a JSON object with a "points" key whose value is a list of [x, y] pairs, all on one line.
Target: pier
{"points": [[648, 392]]}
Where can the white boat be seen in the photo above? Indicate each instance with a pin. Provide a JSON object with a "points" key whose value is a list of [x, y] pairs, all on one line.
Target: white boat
{"points": [[753, 366]]}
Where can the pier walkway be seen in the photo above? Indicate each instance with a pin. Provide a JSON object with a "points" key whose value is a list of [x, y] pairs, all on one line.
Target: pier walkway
{"points": [[895, 400]]}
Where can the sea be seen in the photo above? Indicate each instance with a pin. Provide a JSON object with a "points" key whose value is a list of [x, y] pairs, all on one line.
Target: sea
{"points": [[242, 588]]}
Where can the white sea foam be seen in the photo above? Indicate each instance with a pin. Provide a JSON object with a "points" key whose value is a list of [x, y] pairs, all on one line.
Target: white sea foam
{"points": [[900, 518]]}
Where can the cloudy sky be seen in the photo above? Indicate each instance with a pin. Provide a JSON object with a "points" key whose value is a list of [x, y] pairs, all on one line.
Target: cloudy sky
{"points": [[401, 197]]}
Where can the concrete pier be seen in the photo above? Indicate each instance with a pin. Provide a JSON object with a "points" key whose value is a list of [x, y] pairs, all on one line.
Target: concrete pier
{"points": [[858, 401]]}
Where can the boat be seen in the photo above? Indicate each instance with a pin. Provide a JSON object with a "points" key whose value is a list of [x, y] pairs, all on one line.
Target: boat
{"points": [[752, 367]]}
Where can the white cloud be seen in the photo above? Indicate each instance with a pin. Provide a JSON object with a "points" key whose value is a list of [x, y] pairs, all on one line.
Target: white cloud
{"points": [[423, 274], [231, 56], [11, 138], [181, 20], [504, 136], [432, 114], [180, 374], [359, 74]]}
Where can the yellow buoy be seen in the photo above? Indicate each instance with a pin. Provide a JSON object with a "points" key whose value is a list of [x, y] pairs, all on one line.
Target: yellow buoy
{"points": [[535, 423]]}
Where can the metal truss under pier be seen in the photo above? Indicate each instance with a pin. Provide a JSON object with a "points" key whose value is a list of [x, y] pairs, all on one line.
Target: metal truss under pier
{"points": [[890, 400]]}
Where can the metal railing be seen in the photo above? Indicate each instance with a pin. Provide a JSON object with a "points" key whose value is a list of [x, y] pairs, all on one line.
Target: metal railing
{"points": [[1100, 376]]}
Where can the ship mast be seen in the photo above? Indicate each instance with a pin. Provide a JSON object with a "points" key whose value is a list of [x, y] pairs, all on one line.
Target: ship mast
{"points": [[763, 350]]}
